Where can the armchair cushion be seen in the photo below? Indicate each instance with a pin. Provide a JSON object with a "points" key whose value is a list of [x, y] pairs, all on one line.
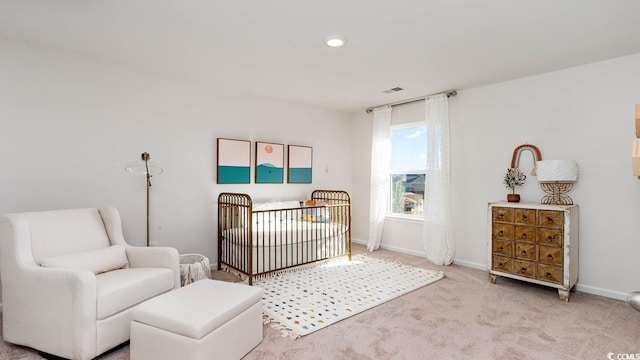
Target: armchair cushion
{"points": [[97, 261], [121, 289]]}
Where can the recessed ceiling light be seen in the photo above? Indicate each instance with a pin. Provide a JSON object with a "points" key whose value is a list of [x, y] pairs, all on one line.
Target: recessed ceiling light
{"points": [[335, 41]]}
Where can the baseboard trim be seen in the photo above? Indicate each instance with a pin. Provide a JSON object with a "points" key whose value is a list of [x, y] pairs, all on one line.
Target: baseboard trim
{"points": [[359, 241], [403, 250], [612, 294], [470, 264], [392, 248], [602, 292]]}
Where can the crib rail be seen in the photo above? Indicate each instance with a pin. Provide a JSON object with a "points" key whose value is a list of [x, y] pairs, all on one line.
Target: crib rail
{"points": [[259, 242], [234, 215]]}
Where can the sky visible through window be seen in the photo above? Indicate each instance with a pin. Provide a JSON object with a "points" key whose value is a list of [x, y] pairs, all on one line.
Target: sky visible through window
{"points": [[408, 148]]}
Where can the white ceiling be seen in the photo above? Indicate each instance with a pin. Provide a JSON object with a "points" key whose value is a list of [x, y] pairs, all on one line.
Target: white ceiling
{"points": [[276, 48]]}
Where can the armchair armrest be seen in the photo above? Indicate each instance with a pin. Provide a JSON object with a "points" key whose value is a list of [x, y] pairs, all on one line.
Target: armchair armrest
{"points": [[166, 257], [54, 308]]}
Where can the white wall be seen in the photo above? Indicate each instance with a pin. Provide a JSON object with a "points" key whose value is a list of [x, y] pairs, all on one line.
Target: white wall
{"points": [[70, 124], [584, 113]]}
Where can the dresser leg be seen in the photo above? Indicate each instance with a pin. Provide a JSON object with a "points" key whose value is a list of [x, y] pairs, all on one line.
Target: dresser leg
{"points": [[563, 294], [492, 278]]}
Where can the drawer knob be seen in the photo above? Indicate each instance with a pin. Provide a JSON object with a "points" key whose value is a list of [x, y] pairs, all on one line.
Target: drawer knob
{"points": [[501, 265], [524, 252], [501, 215], [500, 249], [525, 217], [550, 257], [549, 238], [524, 235], [548, 275], [523, 270], [500, 232], [549, 220]]}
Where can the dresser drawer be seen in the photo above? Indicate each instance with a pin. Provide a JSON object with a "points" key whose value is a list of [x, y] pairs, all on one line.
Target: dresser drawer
{"points": [[550, 273], [525, 233], [525, 251], [501, 214], [502, 231], [551, 218], [502, 247], [524, 268], [550, 255], [525, 216], [501, 263], [550, 237]]}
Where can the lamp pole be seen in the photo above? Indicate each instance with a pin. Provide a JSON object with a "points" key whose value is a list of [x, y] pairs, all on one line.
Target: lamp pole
{"points": [[145, 158], [145, 166]]}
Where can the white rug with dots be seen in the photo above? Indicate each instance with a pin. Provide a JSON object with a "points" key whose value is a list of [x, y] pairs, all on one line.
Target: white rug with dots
{"points": [[305, 300]]}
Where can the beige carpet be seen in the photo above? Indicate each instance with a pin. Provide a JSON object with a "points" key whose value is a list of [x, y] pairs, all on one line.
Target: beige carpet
{"points": [[462, 316]]}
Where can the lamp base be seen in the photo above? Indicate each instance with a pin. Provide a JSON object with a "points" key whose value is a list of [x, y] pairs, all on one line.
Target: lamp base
{"points": [[556, 193]]}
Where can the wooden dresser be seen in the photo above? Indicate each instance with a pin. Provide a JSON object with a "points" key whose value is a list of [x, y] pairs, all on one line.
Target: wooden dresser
{"points": [[535, 243]]}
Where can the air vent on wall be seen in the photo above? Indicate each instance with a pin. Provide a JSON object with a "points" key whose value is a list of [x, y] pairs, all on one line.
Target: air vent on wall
{"points": [[392, 90]]}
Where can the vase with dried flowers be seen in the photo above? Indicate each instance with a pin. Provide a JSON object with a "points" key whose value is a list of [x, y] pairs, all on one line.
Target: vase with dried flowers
{"points": [[514, 177]]}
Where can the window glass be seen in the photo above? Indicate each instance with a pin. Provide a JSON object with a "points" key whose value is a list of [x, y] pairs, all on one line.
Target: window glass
{"points": [[408, 163], [408, 146]]}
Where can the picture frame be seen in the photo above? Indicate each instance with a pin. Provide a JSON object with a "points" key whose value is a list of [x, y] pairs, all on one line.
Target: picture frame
{"points": [[233, 161], [269, 163], [299, 164]]}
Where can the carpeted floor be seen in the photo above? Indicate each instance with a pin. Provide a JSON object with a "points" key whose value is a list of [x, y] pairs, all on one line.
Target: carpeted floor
{"points": [[462, 316]]}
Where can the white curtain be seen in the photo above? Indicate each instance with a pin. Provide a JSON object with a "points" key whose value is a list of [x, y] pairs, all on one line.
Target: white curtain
{"points": [[380, 167], [438, 242]]}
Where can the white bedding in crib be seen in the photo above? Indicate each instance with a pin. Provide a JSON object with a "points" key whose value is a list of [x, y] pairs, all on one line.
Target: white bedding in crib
{"points": [[279, 246]]}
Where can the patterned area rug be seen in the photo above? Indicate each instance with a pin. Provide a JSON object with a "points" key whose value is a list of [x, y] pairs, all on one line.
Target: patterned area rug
{"points": [[302, 301]]}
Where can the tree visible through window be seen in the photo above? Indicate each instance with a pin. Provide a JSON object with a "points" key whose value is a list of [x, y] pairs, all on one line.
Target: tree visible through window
{"points": [[408, 168]]}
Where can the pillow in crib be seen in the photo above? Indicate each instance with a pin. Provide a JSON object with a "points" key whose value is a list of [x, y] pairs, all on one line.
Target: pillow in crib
{"points": [[316, 213], [322, 213]]}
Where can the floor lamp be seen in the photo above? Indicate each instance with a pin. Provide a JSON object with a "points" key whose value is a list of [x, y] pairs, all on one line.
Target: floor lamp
{"points": [[148, 168]]}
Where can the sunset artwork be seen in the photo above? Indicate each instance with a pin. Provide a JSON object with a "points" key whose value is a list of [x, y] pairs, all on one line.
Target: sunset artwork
{"points": [[269, 163], [234, 161], [300, 164]]}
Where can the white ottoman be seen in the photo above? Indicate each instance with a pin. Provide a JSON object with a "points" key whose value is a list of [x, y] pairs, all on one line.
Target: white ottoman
{"points": [[207, 319]]}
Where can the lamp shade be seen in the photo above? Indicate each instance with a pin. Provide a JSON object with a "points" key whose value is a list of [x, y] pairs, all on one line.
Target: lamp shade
{"points": [[557, 170], [635, 157], [141, 166]]}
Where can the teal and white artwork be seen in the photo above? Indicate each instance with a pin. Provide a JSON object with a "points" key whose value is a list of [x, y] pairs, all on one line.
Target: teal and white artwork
{"points": [[300, 164], [234, 161], [269, 163]]}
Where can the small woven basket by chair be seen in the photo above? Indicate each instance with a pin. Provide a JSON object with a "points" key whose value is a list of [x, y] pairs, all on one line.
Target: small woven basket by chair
{"points": [[194, 267]]}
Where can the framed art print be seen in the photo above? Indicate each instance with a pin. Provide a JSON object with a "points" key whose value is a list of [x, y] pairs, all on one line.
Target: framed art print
{"points": [[269, 163], [234, 161], [300, 164]]}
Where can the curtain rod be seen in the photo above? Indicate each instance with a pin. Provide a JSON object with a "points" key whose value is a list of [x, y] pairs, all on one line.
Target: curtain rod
{"points": [[448, 93]]}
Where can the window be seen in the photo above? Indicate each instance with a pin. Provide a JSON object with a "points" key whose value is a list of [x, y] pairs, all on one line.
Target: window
{"points": [[408, 168]]}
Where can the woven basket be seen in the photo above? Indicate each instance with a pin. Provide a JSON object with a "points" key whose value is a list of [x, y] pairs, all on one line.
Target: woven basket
{"points": [[194, 267]]}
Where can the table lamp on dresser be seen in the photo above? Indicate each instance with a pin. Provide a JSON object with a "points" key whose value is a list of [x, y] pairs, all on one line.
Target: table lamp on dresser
{"points": [[556, 178]]}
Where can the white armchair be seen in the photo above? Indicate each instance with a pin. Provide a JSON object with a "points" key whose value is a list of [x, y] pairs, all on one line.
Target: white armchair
{"points": [[70, 281]]}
